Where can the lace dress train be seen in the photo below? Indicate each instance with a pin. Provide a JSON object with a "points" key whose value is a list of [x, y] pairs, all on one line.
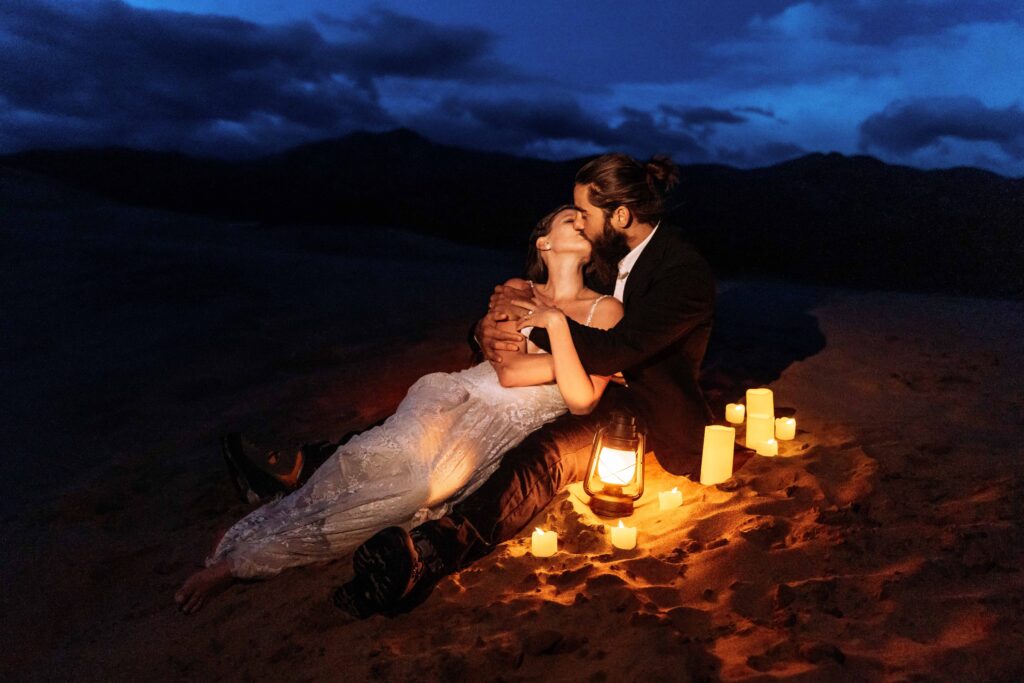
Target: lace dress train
{"points": [[445, 439]]}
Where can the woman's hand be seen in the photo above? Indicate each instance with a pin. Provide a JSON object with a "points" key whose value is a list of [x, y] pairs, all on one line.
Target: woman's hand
{"points": [[538, 314]]}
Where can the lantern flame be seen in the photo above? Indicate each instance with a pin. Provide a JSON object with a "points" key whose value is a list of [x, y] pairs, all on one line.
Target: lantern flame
{"points": [[616, 466]]}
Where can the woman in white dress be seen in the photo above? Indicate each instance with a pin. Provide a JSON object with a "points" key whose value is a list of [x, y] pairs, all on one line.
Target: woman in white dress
{"points": [[445, 439]]}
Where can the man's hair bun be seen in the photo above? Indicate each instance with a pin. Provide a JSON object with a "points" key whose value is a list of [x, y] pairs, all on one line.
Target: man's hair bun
{"points": [[617, 179], [662, 174]]}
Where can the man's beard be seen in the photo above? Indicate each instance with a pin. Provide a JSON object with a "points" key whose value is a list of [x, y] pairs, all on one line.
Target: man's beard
{"points": [[608, 250]]}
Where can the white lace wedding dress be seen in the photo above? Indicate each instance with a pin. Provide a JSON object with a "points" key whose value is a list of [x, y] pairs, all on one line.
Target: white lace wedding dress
{"points": [[444, 441]]}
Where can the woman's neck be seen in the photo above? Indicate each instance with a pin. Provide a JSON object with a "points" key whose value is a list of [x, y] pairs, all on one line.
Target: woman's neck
{"points": [[565, 280]]}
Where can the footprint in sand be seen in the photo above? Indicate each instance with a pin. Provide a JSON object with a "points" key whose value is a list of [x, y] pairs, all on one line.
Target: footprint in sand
{"points": [[790, 654], [765, 531], [845, 476], [652, 571], [814, 595], [570, 578]]}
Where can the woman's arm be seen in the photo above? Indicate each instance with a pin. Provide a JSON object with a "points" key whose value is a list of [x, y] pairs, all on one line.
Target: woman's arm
{"points": [[580, 391], [525, 369]]}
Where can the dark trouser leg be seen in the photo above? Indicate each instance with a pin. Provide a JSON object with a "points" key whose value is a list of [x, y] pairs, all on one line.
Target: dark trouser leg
{"points": [[529, 477]]}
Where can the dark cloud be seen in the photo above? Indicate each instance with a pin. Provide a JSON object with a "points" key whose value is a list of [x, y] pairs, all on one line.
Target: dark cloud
{"points": [[884, 23], [906, 126], [386, 43], [703, 116], [804, 20], [104, 72], [517, 126], [818, 41], [702, 122], [556, 119], [761, 111], [641, 134], [513, 125], [96, 72]]}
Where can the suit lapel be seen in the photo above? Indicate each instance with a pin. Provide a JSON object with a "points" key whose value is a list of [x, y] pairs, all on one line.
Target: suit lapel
{"points": [[640, 273]]}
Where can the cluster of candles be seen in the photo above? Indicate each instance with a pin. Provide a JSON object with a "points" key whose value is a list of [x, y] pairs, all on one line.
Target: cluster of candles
{"points": [[764, 431], [545, 543], [617, 468]]}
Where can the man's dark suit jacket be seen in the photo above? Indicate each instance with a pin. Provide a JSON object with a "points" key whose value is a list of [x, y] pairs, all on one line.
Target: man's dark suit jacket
{"points": [[658, 345]]}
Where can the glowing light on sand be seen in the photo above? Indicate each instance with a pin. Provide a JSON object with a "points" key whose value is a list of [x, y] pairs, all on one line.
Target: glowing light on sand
{"points": [[670, 499], [544, 543], [760, 401], [624, 537], [760, 428], [716, 458], [785, 428]]}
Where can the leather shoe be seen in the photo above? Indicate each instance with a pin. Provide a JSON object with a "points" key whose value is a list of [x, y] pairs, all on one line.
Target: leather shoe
{"points": [[395, 570], [252, 483]]}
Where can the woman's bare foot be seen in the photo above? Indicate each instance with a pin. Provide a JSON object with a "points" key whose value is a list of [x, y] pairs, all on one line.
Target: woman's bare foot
{"points": [[203, 585]]}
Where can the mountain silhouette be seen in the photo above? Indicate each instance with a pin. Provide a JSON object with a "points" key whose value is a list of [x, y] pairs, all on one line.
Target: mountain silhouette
{"points": [[829, 218]]}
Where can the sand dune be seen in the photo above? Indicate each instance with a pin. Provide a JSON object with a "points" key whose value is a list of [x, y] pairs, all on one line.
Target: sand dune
{"points": [[884, 543]]}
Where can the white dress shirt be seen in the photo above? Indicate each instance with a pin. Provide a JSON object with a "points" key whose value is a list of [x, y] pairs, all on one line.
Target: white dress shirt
{"points": [[627, 263]]}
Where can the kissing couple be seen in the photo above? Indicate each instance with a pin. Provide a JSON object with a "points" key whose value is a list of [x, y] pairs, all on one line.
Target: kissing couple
{"points": [[470, 457]]}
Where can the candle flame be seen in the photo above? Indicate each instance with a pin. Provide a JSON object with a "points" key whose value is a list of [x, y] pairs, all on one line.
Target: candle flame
{"points": [[620, 523], [538, 530], [675, 490]]}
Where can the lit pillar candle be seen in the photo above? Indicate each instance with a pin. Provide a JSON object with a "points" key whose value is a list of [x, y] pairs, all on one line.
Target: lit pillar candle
{"points": [[769, 448], [760, 428], [670, 499], [734, 413], [785, 428], [760, 401], [544, 543], [716, 458], [624, 537]]}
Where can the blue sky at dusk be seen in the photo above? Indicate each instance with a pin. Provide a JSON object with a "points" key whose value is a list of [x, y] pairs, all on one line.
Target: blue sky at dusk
{"points": [[928, 83]]}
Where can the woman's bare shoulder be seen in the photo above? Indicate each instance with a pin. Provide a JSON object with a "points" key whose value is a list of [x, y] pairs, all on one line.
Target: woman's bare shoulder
{"points": [[607, 313]]}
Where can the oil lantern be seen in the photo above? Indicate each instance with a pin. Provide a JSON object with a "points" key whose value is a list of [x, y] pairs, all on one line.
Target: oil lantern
{"points": [[615, 474]]}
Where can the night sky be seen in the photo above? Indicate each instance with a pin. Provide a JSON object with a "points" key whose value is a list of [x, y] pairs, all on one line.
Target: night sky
{"points": [[928, 83]]}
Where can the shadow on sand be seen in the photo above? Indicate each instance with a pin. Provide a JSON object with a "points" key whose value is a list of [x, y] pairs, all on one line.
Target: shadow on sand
{"points": [[760, 329]]}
